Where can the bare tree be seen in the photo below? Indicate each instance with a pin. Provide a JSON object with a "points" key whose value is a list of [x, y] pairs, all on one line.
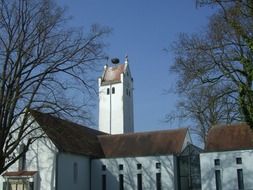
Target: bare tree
{"points": [[41, 62], [218, 63], [238, 16]]}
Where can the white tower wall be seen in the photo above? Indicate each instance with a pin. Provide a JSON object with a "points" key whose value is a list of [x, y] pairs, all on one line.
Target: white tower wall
{"points": [[116, 107]]}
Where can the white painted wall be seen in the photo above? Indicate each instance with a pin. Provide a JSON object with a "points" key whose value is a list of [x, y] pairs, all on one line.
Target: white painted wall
{"points": [[228, 169], [116, 110], [65, 172], [40, 157], [130, 171]]}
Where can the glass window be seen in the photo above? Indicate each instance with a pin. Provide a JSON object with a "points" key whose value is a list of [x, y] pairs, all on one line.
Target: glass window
{"points": [[184, 165], [139, 181], [240, 179], [121, 167], [113, 90], [158, 181], [158, 165], [239, 160], [103, 182], [22, 159], [17, 184], [121, 182], [217, 162], [218, 179], [108, 91], [103, 167], [139, 166]]}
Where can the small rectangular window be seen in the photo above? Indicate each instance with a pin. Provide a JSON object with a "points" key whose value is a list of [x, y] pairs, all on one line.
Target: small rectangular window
{"points": [[113, 90], [139, 181], [121, 167], [217, 162], [103, 167], [108, 91], [158, 165], [103, 182], [240, 179], [139, 166], [218, 179], [75, 172], [158, 181], [239, 160], [121, 182]]}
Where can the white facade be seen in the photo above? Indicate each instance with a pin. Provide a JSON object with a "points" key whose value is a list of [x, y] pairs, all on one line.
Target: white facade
{"points": [[116, 102], [54, 169], [149, 170], [228, 167], [73, 172], [41, 157]]}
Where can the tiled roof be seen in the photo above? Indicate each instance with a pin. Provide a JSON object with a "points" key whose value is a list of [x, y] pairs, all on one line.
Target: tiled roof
{"points": [[19, 173], [112, 74], [68, 136], [143, 144], [231, 137], [73, 138]]}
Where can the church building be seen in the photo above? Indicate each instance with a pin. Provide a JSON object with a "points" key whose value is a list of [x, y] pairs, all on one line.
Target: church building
{"points": [[75, 157]]}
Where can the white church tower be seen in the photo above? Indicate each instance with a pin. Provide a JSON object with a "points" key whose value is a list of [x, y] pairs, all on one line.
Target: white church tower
{"points": [[116, 99]]}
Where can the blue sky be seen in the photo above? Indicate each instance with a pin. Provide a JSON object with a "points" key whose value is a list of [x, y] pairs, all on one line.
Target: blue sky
{"points": [[142, 29]]}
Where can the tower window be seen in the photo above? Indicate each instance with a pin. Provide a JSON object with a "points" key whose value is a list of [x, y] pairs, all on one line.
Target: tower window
{"points": [[108, 91], [113, 90]]}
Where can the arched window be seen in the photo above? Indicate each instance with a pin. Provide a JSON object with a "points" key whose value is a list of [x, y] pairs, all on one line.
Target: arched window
{"points": [[113, 90]]}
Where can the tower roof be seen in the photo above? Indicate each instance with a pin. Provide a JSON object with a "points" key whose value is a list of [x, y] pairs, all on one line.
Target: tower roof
{"points": [[112, 74]]}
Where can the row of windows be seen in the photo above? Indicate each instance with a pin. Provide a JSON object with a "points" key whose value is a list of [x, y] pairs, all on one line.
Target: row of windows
{"points": [[108, 91], [218, 180], [139, 166], [217, 161], [139, 182], [113, 91]]}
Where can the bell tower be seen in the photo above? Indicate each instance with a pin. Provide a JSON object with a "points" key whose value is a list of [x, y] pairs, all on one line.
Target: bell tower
{"points": [[116, 98]]}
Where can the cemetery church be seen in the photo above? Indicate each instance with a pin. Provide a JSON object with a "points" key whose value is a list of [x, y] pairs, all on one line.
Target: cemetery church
{"points": [[75, 157]]}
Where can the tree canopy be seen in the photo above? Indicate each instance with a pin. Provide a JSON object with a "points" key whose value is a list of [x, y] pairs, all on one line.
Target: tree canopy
{"points": [[218, 63], [41, 63]]}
